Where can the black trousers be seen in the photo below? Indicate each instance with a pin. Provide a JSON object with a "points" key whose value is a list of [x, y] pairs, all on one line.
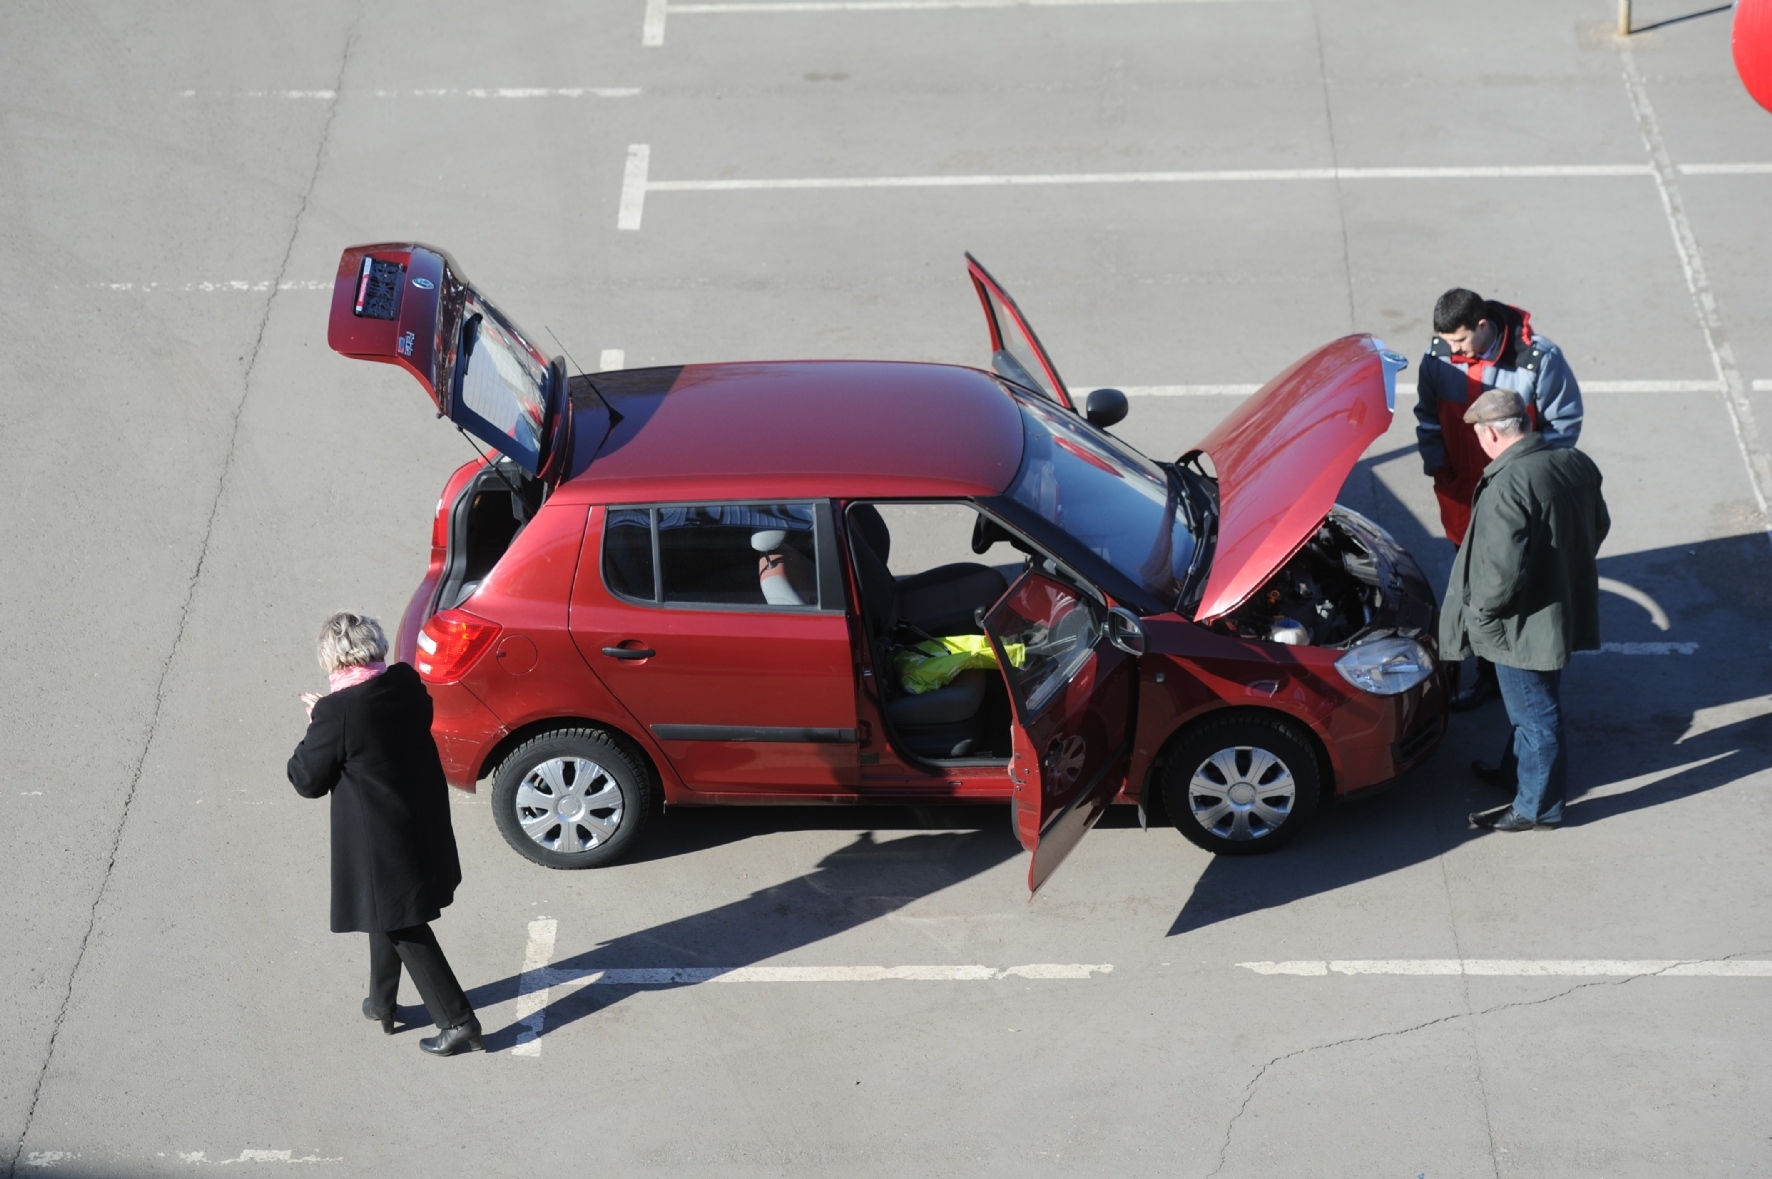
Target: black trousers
{"points": [[423, 958]]}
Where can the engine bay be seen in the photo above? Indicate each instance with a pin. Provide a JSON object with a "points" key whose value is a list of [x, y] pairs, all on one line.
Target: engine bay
{"points": [[1328, 595]]}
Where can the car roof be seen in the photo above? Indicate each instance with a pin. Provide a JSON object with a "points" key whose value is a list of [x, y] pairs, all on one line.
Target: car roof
{"points": [[787, 429]]}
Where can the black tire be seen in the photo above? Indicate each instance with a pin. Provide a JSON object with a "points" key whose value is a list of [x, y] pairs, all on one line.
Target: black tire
{"points": [[605, 792], [1224, 795]]}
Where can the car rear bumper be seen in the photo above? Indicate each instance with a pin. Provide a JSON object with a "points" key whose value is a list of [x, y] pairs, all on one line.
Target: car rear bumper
{"points": [[466, 733]]}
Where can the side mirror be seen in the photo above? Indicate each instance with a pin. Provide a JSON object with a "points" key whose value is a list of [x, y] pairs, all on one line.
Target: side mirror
{"points": [[1125, 631], [1104, 407]]}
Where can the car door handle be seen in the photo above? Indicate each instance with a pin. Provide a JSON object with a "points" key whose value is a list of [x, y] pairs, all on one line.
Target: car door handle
{"points": [[629, 652]]}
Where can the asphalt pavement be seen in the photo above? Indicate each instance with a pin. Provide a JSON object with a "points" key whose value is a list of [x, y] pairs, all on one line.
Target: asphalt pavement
{"points": [[1185, 196]]}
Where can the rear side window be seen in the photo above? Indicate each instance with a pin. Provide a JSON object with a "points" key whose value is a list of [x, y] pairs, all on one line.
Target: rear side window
{"points": [[756, 556], [627, 553]]}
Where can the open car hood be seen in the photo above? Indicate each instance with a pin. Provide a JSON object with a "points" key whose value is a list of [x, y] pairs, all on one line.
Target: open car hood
{"points": [[1283, 455]]}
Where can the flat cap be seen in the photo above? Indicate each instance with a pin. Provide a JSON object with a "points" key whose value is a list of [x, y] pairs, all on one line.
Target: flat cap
{"points": [[1495, 405]]}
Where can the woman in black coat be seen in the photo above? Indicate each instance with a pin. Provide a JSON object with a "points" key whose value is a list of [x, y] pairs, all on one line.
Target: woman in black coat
{"points": [[394, 865]]}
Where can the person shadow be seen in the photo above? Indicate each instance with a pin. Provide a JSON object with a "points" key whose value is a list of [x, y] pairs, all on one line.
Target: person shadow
{"points": [[863, 881], [1645, 729]]}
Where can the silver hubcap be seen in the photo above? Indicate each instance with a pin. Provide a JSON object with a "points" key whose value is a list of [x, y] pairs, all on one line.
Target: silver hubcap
{"points": [[569, 804], [1242, 793]]}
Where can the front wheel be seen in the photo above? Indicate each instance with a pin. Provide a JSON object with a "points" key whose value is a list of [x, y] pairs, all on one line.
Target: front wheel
{"points": [[571, 799], [1242, 785]]}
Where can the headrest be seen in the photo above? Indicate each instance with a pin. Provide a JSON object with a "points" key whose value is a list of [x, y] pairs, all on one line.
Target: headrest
{"points": [[768, 540]]}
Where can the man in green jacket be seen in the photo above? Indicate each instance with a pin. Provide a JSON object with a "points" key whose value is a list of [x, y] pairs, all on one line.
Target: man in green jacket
{"points": [[1525, 595]]}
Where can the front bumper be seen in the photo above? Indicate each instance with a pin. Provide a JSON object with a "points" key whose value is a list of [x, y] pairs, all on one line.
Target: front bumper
{"points": [[1375, 738]]}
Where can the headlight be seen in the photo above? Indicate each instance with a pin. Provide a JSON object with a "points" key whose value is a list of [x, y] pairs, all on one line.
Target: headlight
{"points": [[1386, 667]]}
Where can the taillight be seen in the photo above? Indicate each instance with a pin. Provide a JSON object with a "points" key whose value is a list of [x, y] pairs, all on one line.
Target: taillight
{"points": [[450, 643]]}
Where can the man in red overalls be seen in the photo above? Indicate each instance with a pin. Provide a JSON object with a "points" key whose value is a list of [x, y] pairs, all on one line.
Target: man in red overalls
{"points": [[1480, 344]]}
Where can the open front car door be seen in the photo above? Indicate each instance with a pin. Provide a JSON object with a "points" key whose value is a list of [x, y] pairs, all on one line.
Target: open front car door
{"points": [[1016, 354], [1072, 685], [408, 304]]}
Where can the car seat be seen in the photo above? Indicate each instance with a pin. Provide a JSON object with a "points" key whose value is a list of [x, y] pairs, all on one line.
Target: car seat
{"points": [[946, 722], [940, 601]]}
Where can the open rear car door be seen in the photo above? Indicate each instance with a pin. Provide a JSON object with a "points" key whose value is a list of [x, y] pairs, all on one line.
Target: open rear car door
{"points": [[408, 304], [1016, 354], [1072, 686]]}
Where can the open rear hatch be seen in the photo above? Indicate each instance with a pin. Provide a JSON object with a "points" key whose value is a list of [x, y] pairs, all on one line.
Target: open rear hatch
{"points": [[408, 304]]}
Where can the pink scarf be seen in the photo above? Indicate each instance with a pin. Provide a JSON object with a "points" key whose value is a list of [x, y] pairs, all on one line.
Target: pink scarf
{"points": [[350, 677]]}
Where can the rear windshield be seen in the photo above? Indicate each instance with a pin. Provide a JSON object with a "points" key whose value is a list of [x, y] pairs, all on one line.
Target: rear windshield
{"points": [[503, 382], [1106, 496]]}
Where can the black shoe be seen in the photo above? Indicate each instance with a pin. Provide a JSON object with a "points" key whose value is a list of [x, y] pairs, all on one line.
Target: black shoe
{"points": [[449, 1041], [1481, 692], [1504, 819], [386, 1017], [1502, 777]]}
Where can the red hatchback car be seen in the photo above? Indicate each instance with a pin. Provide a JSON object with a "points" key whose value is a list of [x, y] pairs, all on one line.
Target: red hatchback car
{"points": [[677, 585]]}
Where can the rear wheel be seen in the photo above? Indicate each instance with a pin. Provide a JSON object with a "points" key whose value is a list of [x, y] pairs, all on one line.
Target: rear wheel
{"points": [[1242, 785], [573, 798]]}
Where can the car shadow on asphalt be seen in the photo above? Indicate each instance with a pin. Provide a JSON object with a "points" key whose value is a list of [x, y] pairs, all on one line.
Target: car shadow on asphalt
{"points": [[862, 882], [1425, 814], [691, 829], [1644, 730]]}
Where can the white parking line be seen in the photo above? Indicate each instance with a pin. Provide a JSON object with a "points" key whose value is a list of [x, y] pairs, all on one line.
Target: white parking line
{"points": [[47, 1159], [532, 987], [1726, 169], [1524, 967], [1651, 386], [1218, 176], [1710, 317], [1215, 176], [1631, 593], [635, 186], [539, 980], [1406, 389], [652, 26], [679, 976], [230, 285], [446, 92], [1184, 390], [614, 358]]}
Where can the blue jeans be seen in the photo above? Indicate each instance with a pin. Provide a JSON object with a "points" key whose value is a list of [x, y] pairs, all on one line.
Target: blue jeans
{"points": [[1537, 716]]}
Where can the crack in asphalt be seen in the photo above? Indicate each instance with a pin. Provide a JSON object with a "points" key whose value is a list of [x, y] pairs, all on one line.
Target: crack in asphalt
{"points": [[1347, 263], [1249, 1092], [184, 614], [1465, 991]]}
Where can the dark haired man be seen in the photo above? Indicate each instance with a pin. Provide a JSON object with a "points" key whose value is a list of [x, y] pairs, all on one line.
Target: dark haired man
{"points": [[1480, 344]]}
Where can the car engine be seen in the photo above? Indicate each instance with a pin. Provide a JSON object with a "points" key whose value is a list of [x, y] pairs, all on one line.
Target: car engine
{"points": [[1327, 595]]}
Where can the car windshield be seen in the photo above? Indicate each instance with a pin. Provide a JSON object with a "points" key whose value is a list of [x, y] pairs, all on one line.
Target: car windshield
{"points": [[1109, 498]]}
